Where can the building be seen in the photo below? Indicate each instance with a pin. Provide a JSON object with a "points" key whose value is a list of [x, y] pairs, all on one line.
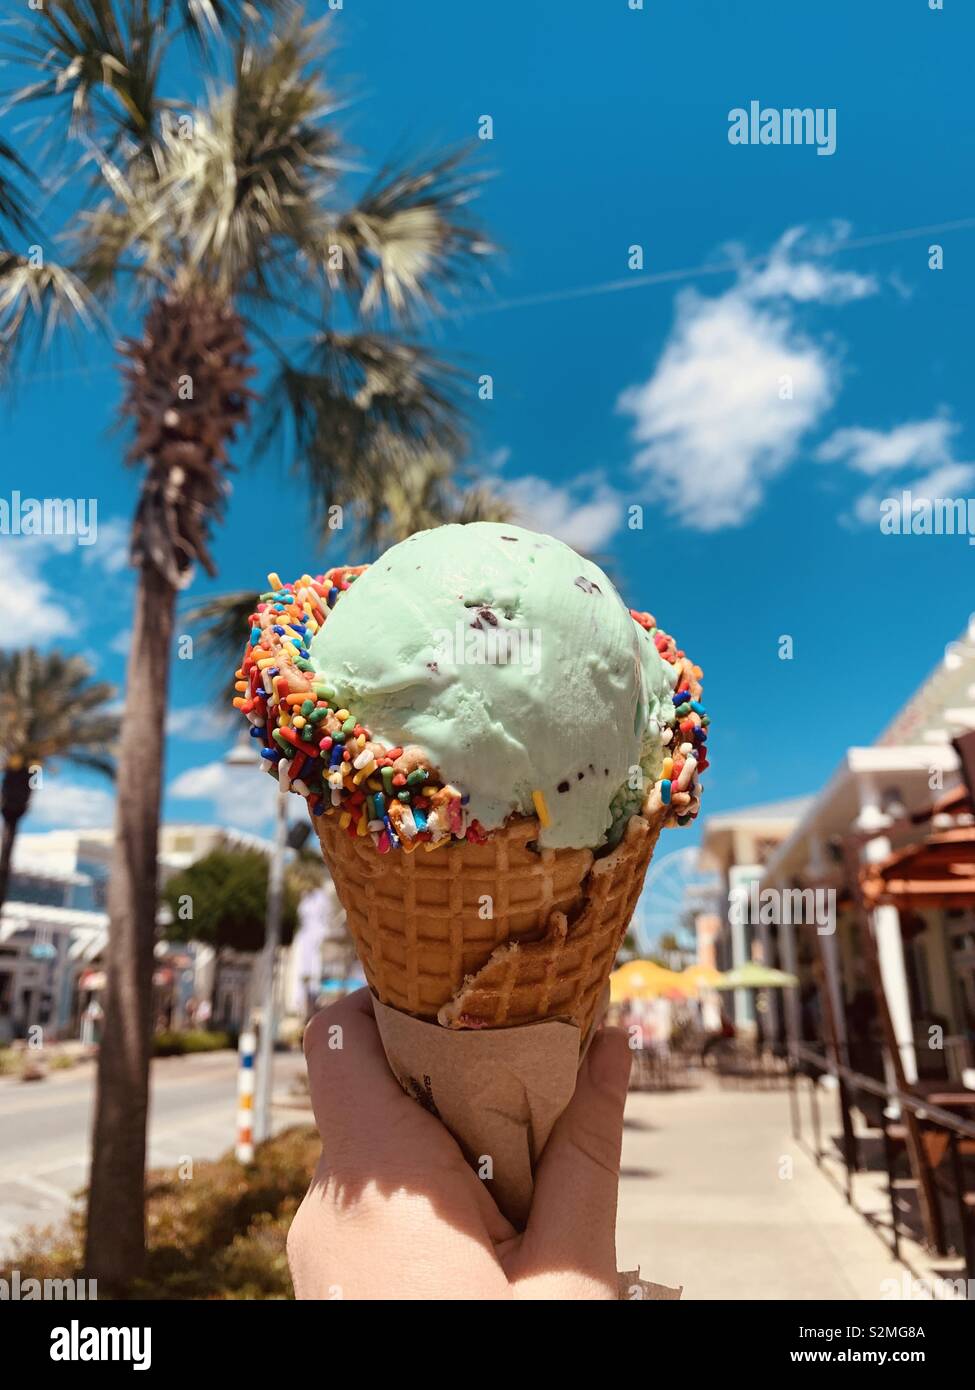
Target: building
{"points": [[803, 866], [54, 928], [738, 845]]}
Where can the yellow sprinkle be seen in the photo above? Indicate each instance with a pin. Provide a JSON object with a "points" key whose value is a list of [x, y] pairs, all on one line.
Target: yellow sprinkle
{"points": [[285, 721], [541, 809], [291, 650], [342, 715], [667, 769], [361, 741], [264, 661], [298, 721], [363, 826], [274, 581], [238, 702], [241, 685], [345, 820]]}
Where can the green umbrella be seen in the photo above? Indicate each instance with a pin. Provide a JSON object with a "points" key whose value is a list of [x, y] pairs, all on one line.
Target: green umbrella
{"points": [[754, 975]]}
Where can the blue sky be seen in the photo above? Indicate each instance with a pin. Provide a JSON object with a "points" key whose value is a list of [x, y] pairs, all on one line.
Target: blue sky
{"points": [[612, 389]]}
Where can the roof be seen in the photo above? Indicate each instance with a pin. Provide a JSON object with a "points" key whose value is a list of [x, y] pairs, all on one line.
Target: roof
{"points": [[944, 705], [789, 810]]}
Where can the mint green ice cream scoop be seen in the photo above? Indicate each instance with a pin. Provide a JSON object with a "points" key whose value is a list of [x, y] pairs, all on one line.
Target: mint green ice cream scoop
{"points": [[514, 664]]}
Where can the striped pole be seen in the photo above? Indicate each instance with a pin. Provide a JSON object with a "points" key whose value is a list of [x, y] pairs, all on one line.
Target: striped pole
{"points": [[246, 1048]]}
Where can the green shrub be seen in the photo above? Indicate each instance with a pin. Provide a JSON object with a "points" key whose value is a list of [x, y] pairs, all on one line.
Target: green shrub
{"points": [[218, 1235], [178, 1044], [9, 1061]]}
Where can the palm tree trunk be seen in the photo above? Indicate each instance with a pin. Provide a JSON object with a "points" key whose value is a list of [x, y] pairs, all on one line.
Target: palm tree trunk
{"points": [[115, 1245], [14, 799]]}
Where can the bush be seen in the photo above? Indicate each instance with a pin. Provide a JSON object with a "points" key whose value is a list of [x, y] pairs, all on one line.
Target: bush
{"points": [[177, 1044], [217, 1235]]}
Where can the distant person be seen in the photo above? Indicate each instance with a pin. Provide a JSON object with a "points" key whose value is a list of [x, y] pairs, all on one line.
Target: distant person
{"points": [[203, 1012]]}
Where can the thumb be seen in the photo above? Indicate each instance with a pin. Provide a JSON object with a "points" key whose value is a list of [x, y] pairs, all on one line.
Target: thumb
{"points": [[572, 1224]]}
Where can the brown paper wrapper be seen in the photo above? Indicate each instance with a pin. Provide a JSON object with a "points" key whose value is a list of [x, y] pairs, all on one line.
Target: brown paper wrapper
{"points": [[499, 1091]]}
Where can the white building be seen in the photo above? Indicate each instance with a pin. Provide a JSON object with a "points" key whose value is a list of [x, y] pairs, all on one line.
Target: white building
{"points": [[54, 928]]}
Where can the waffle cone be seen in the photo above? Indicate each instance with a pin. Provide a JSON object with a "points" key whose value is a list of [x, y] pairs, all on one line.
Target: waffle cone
{"points": [[490, 935]]}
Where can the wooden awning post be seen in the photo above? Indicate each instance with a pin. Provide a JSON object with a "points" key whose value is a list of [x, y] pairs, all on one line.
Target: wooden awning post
{"points": [[920, 1167]]}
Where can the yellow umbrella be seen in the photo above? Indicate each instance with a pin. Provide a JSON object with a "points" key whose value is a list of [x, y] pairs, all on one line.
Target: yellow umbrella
{"points": [[643, 979], [698, 977]]}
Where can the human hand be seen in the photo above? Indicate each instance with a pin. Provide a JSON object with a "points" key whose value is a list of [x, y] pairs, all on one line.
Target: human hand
{"points": [[394, 1211]]}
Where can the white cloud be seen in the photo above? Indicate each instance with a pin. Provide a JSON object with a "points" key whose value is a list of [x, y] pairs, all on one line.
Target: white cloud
{"points": [[121, 642], [951, 481], [781, 277], [583, 514], [237, 795], [32, 609], [885, 454], [919, 443], [110, 550], [71, 806], [737, 386], [198, 723]]}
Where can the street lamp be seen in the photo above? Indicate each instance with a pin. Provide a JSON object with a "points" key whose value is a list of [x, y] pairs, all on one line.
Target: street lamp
{"points": [[242, 754]]}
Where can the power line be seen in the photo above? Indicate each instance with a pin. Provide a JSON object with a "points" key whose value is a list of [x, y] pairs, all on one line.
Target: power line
{"points": [[629, 282]]}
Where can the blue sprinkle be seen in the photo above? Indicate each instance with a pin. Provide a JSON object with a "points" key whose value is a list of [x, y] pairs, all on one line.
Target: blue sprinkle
{"points": [[420, 817], [274, 670], [255, 732], [393, 837], [698, 707], [680, 697], [255, 636], [465, 798], [319, 808], [336, 754], [278, 629], [333, 594], [272, 755], [665, 792]]}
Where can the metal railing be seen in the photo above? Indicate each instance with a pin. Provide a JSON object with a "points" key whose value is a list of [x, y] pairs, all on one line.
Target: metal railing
{"points": [[852, 1083]]}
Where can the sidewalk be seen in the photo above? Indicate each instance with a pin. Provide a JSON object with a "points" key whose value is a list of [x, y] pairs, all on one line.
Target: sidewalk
{"points": [[716, 1196]]}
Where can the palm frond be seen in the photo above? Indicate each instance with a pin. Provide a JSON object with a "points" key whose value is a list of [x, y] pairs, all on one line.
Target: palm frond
{"points": [[100, 57], [409, 238], [417, 491], [207, 20], [50, 708], [35, 300], [347, 401], [14, 208], [91, 762], [223, 624]]}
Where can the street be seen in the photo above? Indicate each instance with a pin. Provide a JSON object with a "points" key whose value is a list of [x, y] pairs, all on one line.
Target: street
{"points": [[45, 1128]]}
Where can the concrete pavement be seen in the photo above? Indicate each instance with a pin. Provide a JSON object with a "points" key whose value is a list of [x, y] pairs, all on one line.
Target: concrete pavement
{"points": [[45, 1128], [716, 1196]]}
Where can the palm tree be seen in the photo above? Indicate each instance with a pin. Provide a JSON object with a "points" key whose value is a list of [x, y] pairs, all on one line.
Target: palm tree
{"points": [[223, 220], [50, 710], [423, 490]]}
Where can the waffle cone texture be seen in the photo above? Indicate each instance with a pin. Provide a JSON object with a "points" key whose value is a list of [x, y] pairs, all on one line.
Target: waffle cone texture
{"points": [[490, 935]]}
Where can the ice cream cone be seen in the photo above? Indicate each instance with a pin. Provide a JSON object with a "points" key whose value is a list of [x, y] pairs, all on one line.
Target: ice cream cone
{"points": [[490, 935]]}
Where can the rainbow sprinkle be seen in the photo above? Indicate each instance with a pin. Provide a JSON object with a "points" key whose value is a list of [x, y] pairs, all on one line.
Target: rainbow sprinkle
{"points": [[319, 750]]}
